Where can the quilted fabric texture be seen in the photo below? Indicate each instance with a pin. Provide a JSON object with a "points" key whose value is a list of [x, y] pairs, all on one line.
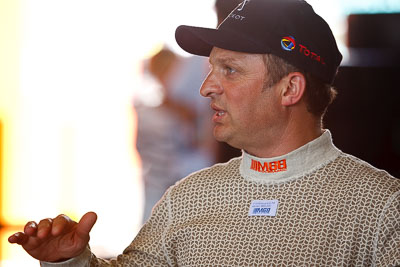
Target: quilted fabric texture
{"points": [[343, 212]]}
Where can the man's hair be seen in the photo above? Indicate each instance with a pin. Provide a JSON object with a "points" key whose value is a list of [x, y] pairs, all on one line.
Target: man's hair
{"points": [[160, 64], [318, 95]]}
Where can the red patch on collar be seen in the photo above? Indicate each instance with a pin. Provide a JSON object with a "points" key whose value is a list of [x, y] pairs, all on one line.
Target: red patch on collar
{"points": [[268, 167]]}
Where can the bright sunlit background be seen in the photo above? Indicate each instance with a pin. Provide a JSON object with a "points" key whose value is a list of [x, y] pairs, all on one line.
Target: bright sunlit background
{"points": [[68, 72]]}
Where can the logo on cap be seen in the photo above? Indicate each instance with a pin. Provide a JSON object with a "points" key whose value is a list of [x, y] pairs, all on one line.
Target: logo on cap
{"points": [[288, 43], [242, 5]]}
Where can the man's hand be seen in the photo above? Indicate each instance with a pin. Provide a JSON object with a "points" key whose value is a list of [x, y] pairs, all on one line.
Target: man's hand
{"points": [[55, 239]]}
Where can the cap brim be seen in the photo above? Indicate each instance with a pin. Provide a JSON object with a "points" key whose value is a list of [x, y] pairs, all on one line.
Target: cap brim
{"points": [[200, 41]]}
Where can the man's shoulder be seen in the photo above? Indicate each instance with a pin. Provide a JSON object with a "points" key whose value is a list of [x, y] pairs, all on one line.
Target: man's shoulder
{"points": [[365, 175], [210, 176]]}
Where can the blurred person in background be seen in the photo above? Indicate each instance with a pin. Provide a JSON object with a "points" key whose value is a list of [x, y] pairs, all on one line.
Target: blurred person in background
{"points": [[292, 198], [173, 139]]}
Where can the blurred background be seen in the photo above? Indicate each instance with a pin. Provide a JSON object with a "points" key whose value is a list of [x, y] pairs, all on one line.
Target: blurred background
{"points": [[88, 110]]}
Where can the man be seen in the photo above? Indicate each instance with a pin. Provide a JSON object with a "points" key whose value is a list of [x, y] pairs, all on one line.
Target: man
{"points": [[292, 199]]}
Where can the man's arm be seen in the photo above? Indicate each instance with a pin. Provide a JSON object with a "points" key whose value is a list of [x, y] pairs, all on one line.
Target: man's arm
{"points": [[69, 247], [387, 243]]}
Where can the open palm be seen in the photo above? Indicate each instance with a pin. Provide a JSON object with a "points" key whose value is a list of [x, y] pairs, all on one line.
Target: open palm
{"points": [[56, 239]]}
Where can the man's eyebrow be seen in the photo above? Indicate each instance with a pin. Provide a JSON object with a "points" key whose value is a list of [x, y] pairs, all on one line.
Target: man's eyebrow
{"points": [[224, 60]]}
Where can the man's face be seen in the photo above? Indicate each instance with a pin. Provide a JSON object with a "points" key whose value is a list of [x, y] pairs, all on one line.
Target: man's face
{"points": [[246, 114]]}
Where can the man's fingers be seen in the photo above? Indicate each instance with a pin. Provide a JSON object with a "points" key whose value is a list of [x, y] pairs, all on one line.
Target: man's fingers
{"points": [[21, 238], [86, 224], [18, 238], [60, 224], [30, 228], [44, 228]]}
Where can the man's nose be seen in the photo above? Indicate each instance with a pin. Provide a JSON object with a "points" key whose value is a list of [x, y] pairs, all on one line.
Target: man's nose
{"points": [[211, 86]]}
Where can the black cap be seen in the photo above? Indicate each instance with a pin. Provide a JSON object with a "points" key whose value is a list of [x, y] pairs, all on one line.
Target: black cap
{"points": [[289, 29]]}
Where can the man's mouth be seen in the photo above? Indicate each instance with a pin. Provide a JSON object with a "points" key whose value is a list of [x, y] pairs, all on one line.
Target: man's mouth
{"points": [[220, 113]]}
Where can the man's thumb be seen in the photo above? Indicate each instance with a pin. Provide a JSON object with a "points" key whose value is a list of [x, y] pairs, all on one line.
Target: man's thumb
{"points": [[85, 224]]}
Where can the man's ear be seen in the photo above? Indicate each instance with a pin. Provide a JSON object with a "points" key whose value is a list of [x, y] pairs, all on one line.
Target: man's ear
{"points": [[293, 89]]}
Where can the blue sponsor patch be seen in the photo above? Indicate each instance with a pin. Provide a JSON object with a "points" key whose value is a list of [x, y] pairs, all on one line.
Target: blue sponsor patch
{"points": [[263, 208]]}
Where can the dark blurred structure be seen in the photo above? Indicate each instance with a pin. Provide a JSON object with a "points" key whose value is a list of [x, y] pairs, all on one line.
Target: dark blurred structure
{"points": [[365, 117], [374, 39]]}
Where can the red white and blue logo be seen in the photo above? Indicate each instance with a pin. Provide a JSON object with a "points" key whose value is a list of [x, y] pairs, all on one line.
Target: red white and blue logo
{"points": [[288, 43]]}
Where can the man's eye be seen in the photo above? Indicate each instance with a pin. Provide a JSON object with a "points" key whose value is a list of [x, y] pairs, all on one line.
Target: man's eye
{"points": [[229, 70]]}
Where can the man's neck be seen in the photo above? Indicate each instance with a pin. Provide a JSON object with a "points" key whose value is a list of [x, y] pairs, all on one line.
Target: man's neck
{"points": [[289, 138]]}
